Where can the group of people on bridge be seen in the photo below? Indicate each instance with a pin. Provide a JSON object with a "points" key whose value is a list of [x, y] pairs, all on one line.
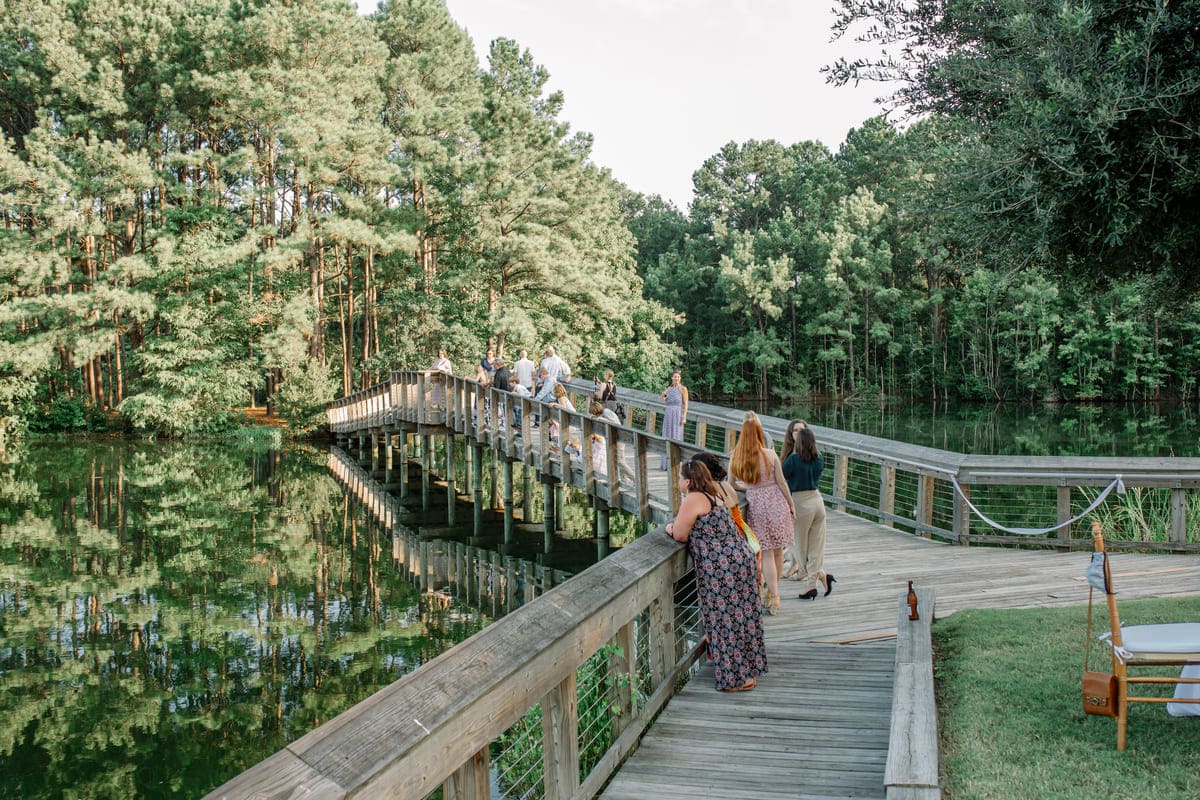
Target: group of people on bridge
{"points": [[747, 526]]}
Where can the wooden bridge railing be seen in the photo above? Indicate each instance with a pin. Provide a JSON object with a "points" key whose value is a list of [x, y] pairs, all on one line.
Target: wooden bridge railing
{"points": [[897, 484], [435, 727]]}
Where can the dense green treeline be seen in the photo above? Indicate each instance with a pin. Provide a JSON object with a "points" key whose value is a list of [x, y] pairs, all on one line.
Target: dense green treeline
{"points": [[802, 271], [205, 202], [1031, 233], [212, 203]]}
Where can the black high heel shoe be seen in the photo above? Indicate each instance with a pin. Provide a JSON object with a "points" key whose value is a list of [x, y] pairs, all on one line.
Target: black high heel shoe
{"points": [[811, 594], [829, 582]]}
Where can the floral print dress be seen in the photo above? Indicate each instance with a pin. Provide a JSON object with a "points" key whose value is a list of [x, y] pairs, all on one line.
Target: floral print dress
{"points": [[730, 607]]}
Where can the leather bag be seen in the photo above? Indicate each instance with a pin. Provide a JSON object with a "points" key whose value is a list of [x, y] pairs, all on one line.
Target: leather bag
{"points": [[1099, 694]]}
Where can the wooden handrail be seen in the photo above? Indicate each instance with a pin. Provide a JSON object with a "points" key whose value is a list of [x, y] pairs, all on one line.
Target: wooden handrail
{"points": [[407, 739], [933, 506]]}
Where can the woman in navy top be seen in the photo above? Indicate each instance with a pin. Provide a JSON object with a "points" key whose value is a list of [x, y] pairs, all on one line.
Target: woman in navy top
{"points": [[802, 467]]}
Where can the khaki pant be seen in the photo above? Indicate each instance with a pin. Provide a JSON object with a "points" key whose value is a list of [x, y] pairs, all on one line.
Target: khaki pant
{"points": [[808, 533]]}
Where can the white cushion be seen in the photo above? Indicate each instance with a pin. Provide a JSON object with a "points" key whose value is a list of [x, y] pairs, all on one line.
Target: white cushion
{"points": [[1177, 637]]}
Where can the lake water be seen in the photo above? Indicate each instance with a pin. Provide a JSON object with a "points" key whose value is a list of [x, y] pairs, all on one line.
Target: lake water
{"points": [[172, 614]]}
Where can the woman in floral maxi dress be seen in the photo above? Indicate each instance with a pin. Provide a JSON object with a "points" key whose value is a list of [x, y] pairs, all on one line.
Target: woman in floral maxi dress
{"points": [[726, 580]]}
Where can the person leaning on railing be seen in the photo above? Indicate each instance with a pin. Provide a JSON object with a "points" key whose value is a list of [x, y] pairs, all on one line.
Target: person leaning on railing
{"points": [[726, 578]]}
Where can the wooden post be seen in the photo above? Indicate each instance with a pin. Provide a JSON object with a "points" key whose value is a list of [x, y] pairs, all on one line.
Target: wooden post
{"points": [[426, 468], [962, 516], [560, 503], [674, 459], [403, 465], [511, 565], [494, 482], [530, 583], [374, 453], [662, 635], [623, 668], [422, 398], [477, 488], [508, 501], [548, 515], [560, 740], [1064, 514], [451, 491], [702, 435], [527, 492], [841, 475], [526, 436], [471, 781], [424, 576], [602, 520], [887, 495], [643, 479], [387, 459], [494, 580], [586, 445], [925, 490], [1178, 516]]}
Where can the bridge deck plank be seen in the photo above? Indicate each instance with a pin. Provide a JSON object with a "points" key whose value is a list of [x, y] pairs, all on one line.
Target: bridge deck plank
{"points": [[817, 725]]}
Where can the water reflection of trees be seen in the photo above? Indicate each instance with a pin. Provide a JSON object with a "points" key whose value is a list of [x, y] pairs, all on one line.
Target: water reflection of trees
{"points": [[171, 615]]}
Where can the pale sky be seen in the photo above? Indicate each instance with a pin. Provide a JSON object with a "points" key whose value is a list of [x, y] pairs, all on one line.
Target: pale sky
{"points": [[662, 85]]}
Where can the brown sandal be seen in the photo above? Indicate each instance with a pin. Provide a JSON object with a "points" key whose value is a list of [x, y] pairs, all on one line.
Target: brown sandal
{"points": [[745, 687]]}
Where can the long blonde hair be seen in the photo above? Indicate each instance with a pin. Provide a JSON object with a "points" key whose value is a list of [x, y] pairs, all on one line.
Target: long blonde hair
{"points": [[746, 459]]}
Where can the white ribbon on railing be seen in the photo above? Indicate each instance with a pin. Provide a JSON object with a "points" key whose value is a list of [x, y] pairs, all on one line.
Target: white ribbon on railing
{"points": [[1117, 484]]}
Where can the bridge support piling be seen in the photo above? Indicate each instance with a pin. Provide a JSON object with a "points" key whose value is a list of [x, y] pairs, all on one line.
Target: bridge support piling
{"points": [[548, 515], [530, 583], [374, 454], [477, 487], [602, 530], [508, 501], [511, 566], [527, 493], [493, 483], [426, 469], [403, 466], [387, 458], [451, 491], [559, 504]]}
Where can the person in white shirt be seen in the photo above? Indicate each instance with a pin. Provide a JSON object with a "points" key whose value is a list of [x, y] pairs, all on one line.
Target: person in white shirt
{"points": [[599, 456], [523, 369], [555, 367]]}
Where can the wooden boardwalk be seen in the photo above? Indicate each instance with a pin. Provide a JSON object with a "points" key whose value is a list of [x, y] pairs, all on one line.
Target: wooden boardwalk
{"points": [[817, 725]]}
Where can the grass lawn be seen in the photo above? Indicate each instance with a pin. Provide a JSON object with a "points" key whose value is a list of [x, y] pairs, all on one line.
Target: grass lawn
{"points": [[1011, 717]]}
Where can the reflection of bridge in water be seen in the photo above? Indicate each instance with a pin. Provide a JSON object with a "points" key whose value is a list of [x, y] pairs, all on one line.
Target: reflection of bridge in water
{"points": [[443, 567], [578, 675]]}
